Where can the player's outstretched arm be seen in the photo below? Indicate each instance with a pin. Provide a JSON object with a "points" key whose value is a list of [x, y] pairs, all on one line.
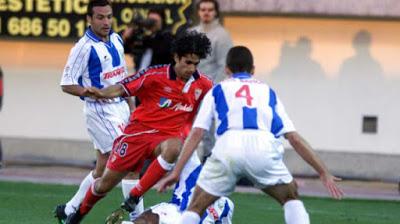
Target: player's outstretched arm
{"points": [[190, 145], [307, 153], [75, 90], [106, 93]]}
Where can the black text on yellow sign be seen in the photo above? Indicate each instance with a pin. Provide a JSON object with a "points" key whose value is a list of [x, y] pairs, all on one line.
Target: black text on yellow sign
{"points": [[61, 19]]}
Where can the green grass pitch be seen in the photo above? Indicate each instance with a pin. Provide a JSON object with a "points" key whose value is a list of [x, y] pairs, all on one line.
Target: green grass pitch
{"points": [[33, 203]]}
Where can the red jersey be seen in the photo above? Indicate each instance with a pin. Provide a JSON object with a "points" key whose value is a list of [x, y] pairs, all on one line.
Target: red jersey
{"points": [[166, 102]]}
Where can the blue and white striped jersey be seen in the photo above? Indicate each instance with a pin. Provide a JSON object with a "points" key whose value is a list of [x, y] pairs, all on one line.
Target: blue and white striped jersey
{"points": [[243, 102], [219, 212], [184, 188], [93, 62]]}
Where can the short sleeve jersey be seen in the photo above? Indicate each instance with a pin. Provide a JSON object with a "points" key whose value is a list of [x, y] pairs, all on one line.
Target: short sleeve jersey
{"points": [[220, 212], [242, 102], [93, 62], [167, 103], [183, 192]]}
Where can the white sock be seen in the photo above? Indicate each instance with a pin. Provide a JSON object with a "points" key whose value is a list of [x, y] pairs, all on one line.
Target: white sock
{"points": [[295, 212], [77, 199], [164, 164], [189, 217], [127, 186]]}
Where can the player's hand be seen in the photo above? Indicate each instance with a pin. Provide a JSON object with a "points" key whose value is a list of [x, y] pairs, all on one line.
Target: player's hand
{"points": [[329, 182], [172, 178], [92, 92]]}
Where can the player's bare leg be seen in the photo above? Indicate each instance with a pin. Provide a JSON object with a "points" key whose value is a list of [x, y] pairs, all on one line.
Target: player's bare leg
{"points": [[283, 192], [166, 152], [288, 197], [62, 211], [169, 149], [98, 190], [200, 201], [101, 162], [117, 216]]}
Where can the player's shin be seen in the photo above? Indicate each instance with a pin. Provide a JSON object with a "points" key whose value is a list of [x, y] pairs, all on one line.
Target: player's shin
{"points": [[91, 198], [76, 200], [157, 169], [295, 212]]}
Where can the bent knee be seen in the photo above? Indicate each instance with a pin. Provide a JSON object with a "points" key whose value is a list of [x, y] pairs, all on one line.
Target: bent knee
{"points": [[283, 192], [170, 149], [102, 186], [97, 173]]}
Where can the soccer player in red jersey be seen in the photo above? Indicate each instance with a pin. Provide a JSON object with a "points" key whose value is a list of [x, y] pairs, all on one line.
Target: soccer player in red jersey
{"points": [[170, 96]]}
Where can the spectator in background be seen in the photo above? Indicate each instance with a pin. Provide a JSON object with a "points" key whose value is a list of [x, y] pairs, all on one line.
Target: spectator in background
{"points": [[1, 104], [214, 64], [148, 40], [221, 42]]}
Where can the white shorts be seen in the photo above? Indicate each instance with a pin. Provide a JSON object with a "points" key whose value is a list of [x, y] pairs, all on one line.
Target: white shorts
{"points": [[247, 153], [221, 210], [105, 122]]}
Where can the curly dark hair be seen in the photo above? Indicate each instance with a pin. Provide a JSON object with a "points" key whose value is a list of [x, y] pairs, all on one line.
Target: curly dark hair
{"points": [[191, 42]]}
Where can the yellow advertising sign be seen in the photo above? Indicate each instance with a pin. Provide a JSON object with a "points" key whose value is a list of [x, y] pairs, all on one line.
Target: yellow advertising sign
{"points": [[59, 19]]}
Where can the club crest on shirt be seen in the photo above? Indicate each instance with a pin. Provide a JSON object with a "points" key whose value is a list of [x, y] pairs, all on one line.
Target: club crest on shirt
{"points": [[164, 102], [197, 93]]}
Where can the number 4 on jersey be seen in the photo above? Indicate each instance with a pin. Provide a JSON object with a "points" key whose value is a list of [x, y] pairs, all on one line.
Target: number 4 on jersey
{"points": [[244, 92]]}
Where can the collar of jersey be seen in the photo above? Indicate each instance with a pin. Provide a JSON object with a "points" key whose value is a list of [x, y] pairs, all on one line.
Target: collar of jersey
{"points": [[93, 36], [172, 74], [241, 75]]}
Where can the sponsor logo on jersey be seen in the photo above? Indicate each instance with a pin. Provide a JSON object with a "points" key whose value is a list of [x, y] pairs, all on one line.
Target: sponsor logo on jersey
{"points": [[197, 93], [164, 102], [114, 73], [168, 89], [213, 212], [182, 107]]}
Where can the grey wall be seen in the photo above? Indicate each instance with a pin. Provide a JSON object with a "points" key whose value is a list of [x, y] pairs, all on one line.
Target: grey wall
{"points": [[39, 122], [35, 107], [374, 8]]}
